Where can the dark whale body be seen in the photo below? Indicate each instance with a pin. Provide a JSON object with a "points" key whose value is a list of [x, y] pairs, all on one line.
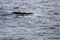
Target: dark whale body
{"points": [[22, 13]]}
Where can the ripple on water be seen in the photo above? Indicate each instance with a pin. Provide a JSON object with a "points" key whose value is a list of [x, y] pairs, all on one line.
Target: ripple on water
{"points": [[53, 38], [47, 27], [14, 38]]}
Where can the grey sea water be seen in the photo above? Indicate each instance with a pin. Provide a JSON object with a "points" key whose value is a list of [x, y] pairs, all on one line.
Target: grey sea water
{"points": [[44, 24]]}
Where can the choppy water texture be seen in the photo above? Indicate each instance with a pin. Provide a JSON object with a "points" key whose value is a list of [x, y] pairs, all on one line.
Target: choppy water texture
{"points": [[44, 24]]}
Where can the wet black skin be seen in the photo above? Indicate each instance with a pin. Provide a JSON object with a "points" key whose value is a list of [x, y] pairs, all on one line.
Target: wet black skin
{"points": [[22, 13]]}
